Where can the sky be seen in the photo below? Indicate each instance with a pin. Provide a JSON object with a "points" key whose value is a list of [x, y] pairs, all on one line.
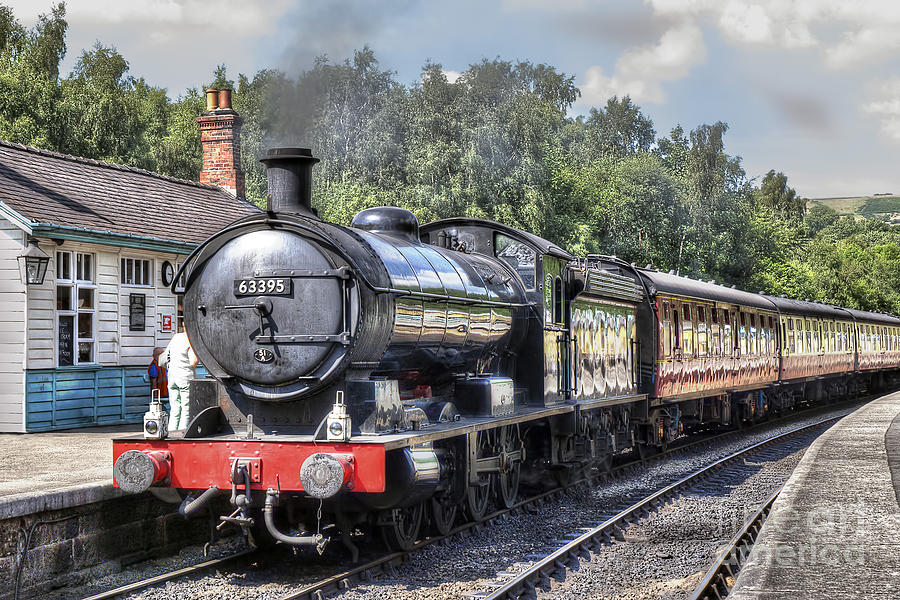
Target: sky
{"points": [[808, 87]]}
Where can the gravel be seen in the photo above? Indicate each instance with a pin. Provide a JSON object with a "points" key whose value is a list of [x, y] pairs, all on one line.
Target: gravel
{"points": [[468, 564]]}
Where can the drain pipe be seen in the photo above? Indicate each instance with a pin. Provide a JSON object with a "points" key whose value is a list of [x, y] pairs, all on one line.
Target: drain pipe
{"points": [[318, 540]]}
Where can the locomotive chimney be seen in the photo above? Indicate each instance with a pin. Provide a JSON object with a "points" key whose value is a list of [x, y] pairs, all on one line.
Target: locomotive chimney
{"points": [[289, 173]]}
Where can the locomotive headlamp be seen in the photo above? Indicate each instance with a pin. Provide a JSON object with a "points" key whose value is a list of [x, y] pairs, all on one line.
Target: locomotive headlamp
{"points": [[338, 421], [324, 475], [155, 419]]}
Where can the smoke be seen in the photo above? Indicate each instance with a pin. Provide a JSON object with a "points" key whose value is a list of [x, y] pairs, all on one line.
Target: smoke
{"points": [[336, 28], [805, 112]]}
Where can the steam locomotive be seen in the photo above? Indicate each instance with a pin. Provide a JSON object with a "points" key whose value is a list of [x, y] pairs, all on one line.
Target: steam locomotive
{"points": [[387, 376]]}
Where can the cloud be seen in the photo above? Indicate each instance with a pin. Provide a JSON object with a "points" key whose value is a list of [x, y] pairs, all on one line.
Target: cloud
{"points": [[252, 18], [884, 104], [858, 47], [451, 76], [641, 71], [851, 33], [748, 23]]}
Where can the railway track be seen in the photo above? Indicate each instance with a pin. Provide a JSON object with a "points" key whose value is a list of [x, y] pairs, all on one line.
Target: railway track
{"points": [[523, 583], [720, 578], [509, 584]]}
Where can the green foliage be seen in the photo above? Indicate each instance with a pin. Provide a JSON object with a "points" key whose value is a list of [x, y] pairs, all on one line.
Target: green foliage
{"points": [[880, 205], [775, 194], [220, 79], [497, 143]]}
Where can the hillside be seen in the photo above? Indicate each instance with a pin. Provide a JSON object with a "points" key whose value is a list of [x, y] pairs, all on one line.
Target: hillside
{"points": [[885, 207]]}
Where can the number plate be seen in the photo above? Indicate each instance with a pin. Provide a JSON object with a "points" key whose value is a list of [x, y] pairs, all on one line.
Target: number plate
{"points": [[263, 286]]}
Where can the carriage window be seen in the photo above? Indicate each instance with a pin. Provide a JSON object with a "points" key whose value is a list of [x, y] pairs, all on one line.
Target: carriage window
{"points": [[754, 336], [742, 334], [791, 341], [676, 328], [667, 330], [702, 345], [518, 256], [687, 332], [715, 333], [773, 341], [557, 300]]}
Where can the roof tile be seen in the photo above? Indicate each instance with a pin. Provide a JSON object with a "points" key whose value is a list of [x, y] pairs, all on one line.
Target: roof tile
{"points": [[60, 189]]}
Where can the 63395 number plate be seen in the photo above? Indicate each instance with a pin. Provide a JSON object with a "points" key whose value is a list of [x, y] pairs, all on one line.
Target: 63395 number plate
{"points": [[263, 286]]}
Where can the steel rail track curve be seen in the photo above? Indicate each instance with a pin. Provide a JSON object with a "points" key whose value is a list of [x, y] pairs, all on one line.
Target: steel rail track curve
{"points": [[183, 572], [524, 583], [720, 577]]}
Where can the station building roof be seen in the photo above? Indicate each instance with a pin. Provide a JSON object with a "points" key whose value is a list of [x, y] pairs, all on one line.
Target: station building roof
{"points": [[62, 196]]}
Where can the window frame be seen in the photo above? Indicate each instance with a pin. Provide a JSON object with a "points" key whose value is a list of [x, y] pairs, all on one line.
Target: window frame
{"points": [[75, 284], [123, 269]]}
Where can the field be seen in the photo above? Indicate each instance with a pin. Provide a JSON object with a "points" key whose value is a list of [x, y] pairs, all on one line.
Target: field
{"points": [[886, 208]]}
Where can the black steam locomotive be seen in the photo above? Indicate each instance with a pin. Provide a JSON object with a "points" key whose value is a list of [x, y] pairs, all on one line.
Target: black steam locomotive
{"points": [[388, 375]]}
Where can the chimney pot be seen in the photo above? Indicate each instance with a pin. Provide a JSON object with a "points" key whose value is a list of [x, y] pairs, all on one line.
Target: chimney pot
{"points": [[212, 99], [225, 99]]}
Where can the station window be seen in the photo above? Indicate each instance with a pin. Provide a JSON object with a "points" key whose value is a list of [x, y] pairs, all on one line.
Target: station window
{"points": [[136, 271], [76, 307]]}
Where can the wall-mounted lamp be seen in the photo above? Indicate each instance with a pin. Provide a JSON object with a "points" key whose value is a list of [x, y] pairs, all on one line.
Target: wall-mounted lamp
{"points": [[33, 263]]}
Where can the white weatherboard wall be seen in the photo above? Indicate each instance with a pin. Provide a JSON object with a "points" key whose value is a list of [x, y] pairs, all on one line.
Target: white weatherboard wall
{"points": [[12, 330], [116, 344]]}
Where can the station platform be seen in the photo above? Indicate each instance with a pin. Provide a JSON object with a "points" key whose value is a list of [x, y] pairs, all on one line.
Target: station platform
{"points": [[834, 531], [57, 470]]}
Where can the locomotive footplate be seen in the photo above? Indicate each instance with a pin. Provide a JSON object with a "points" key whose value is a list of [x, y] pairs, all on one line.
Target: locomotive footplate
{"points": [[275, 460]]}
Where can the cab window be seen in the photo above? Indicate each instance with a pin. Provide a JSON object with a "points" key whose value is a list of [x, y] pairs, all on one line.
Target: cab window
{"points": [[557, 300], [519, 257]]}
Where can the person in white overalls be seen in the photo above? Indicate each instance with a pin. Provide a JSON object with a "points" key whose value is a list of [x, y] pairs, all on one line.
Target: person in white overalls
{"points": [[181, 362]]}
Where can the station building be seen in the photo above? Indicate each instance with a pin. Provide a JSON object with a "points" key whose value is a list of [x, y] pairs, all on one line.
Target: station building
{"points": [[88, 251]]}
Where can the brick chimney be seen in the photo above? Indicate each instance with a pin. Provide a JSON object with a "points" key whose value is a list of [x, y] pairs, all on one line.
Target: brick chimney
{"points": [[220, 135]]}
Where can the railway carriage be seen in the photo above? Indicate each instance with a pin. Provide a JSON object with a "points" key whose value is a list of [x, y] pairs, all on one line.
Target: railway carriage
{"points": [[382, 375]]}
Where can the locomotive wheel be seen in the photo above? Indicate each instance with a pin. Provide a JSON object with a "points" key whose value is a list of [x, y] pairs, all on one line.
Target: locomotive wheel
{"points": [[443, 514], [403, 525], [478, 496], [508, 477]]}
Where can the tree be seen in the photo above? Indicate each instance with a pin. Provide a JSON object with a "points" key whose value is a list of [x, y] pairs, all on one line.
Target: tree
{"points": [[819, 217], [775, 194], [619, 129], [29, 67]]}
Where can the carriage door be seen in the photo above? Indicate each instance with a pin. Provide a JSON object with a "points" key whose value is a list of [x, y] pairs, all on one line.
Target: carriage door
{"points": [[557, 341]]}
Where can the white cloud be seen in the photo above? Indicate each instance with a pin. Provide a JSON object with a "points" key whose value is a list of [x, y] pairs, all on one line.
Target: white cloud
{"points": [[857, 47], [641, 71], [251, 18], [748, 23], [884, 103], [451, 76], [866, 29]]}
